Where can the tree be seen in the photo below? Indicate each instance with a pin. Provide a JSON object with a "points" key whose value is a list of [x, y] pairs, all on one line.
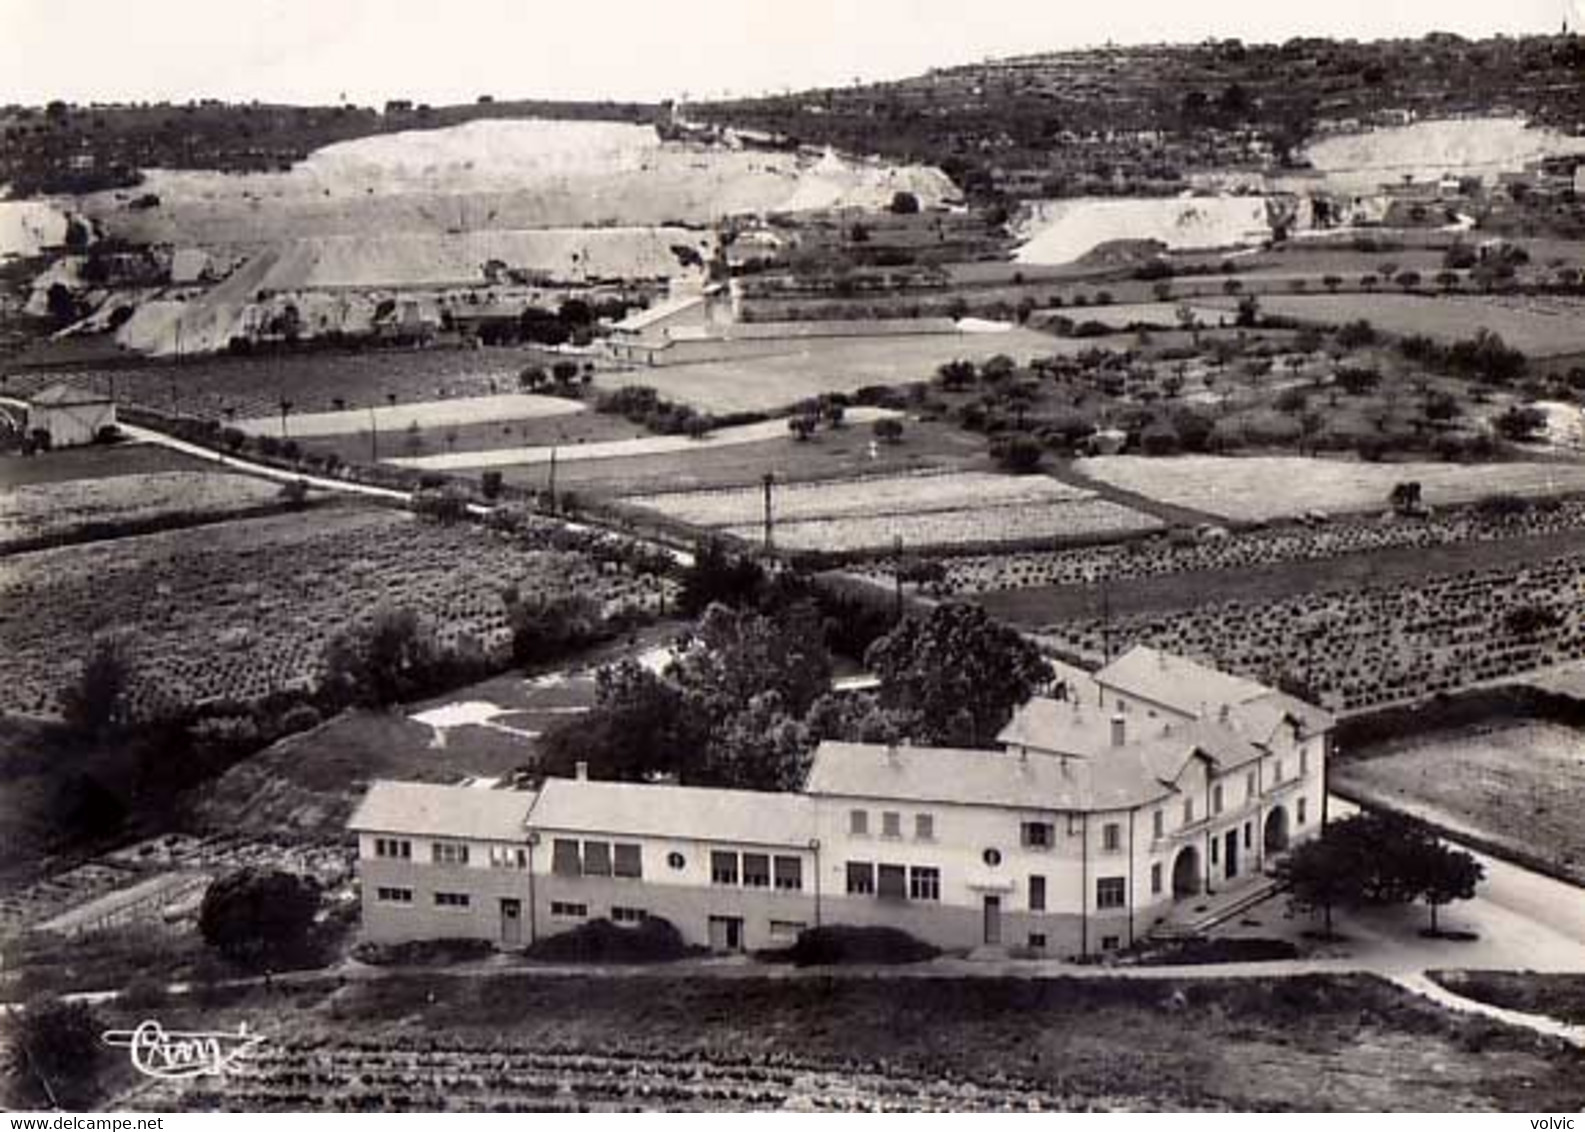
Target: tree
{"points": [[717, 575], [1332, 282], [956, 374], [957, 673], [53, 1054], [259, 914], [547, 627], [888, 430], [1520, 423], [1405, 497], [99, 701], [1319, 876], [532, 378], [904, 203], [761, 747], [641, 725], [803, 426], [1016, 452], [1407, 280], [1445, 874], [733, 655], [385, 660]]}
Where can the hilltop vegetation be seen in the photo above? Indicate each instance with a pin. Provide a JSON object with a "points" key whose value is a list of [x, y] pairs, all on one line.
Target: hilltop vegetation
{"points": [[1121, 120]]}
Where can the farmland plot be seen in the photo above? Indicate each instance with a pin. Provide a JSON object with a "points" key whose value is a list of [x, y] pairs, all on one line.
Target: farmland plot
{"points": [[1259, 488], [425, 414], [1370, 645], [1541, 326], [240, 610], [48, 510]]}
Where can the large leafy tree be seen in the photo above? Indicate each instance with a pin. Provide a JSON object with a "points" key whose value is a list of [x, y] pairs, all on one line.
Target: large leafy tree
{"points": [[641, 725], [733, 655], [99, 701], [957, 674], [258, 913], [386, 660], [52, 1054]]}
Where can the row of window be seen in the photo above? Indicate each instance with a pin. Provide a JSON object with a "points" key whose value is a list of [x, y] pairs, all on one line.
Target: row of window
{"points": [[451, 852], [892, 824], [571, 858], [756, 870], [572, 910], [895, 882], [392, 894]]}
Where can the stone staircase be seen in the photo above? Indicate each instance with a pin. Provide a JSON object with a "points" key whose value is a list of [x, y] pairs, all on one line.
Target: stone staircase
{"points": [[1218, 909]]}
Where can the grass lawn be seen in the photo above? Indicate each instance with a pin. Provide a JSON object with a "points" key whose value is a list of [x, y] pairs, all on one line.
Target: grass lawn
{"points": [[401, 440], [1519, 784], [660, 1041], [1560, 996]]}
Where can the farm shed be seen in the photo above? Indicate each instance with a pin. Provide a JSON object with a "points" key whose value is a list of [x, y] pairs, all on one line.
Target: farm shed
{"points": [[70, 416]]}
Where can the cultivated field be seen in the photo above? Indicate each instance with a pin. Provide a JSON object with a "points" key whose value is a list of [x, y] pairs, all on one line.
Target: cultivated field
{"points": [[242, 609], [61, 510], [1236, 551], [931, 509], [1540, 326], [1371, 643], [1518, 784], [1258, 488], [809, 368], [226, 389], [731, 437], [670, 1041], [391, 419]]}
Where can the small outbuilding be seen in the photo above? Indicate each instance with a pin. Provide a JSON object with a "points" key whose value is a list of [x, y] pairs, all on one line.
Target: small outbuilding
{"points": [[68, 416]]}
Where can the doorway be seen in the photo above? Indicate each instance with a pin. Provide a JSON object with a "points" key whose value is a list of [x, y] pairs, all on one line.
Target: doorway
{"points": [[511, 922], [1186, 873], [993, 919], [1230, 851], [1276, 832], [726, 933]]}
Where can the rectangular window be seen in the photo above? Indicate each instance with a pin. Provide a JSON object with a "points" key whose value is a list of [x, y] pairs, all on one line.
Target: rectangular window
{"points": [[1037, 835], [396, 848], [1111, 942], [1037, 941], [1075, 825], [564, 859], [1278, 779], [786, 929], [1155, 880], [924, 883], [789, 874], [627, 860], [1037, 894], [891, 824], [1188, 811], [1110, 892], [1158, 825], [891, 882], [569, 911], [861, 878], [859, 823], [596, 858], [394, 895], [508, 857], [1249, 834], [1304, 762], [924, 827], [1111, 837], [1250, 787], [451, 900], [1216, 798], [723, 868], [756, 870], [628, 915], [449, 853], [1215, 841], [1298, 811]]}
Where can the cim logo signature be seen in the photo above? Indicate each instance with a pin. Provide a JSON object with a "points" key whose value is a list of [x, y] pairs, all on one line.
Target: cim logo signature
{"points": [[173, 1055]]}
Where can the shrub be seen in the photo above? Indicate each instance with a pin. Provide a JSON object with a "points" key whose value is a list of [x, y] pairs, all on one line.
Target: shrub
{"points": [[1528, 620], [416, 953], [53, 1053], [1017, 452], [654, 940], [841, 943], [258, 913]]}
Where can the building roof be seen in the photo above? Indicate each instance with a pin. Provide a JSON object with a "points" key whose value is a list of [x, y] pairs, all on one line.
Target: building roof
{"points": [[1175, 682], [427, 809], [640, 321], [691, 812], [60, 395]]}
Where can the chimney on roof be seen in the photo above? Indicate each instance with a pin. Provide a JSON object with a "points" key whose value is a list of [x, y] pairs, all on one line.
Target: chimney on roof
{"points": [[1119, 730], [1226, 713], [580, 771]]}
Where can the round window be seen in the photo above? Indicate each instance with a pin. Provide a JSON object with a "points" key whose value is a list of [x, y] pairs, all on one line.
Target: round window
{"points": [[675, 860], [993, 857]]}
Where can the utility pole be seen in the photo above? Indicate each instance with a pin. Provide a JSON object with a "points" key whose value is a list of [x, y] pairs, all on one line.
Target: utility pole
{"points": [[1106, 621], [897, 575], [553, 478], [374, 438], [770, 481]]}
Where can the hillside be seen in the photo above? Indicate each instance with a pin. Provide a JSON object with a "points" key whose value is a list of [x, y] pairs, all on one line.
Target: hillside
{"points": [[1120, 120]]}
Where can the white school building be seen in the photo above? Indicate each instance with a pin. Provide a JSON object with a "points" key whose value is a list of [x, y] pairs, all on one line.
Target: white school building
{"points": [[1154, 782]]}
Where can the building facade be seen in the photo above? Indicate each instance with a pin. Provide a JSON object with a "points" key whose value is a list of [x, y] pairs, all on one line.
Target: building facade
{"points": [[1113, 801]]}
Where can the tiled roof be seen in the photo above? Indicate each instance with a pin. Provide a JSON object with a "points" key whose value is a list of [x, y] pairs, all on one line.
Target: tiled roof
{"points": [[1176, 682], [643, 809], [61, 394], [426, 809]]}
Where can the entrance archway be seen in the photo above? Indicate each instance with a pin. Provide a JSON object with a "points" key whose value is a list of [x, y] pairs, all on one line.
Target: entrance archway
{"points": [[1186, 873], [1276, 834]]}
